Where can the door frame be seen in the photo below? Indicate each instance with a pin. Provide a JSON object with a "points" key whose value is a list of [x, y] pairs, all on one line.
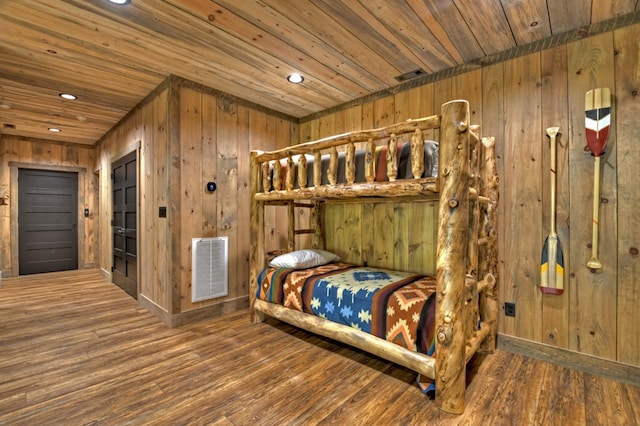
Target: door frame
{"points": [[107, 243], [14, 166]]}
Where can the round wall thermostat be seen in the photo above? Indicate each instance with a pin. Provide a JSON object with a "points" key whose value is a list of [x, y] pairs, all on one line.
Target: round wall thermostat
{"points": [[211, 186]]}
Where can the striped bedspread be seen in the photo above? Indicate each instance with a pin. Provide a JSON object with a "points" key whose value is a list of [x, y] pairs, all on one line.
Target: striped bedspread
{"points": [[396, 306]]}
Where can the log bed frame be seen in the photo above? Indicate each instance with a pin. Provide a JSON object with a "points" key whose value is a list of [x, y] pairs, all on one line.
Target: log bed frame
{"points": [[466, 265]]}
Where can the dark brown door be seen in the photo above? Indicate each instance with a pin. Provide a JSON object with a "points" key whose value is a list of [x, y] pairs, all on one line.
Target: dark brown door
{"points": [[47, 221], [125, 201]]}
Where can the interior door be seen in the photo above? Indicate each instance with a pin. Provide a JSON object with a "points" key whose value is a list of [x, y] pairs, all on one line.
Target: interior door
{"points": [[47, 221], [124, 224]]}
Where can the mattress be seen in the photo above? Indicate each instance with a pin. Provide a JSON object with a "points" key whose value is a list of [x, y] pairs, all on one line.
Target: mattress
{"points": [[396, 306]]}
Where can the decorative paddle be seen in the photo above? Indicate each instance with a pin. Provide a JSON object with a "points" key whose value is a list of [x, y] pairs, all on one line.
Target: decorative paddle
{"points": [[552, 263], [597, 109]]}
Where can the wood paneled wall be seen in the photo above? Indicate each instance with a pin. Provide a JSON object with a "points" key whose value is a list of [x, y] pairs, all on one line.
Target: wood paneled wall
{"points": [[216, 136], [187, 136], [384, 234], [515, 101], [146, 131], [17, 152]]}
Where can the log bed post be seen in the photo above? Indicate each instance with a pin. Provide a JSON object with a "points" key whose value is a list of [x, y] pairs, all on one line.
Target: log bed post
{"points": [[451, 256], [256, 254]]}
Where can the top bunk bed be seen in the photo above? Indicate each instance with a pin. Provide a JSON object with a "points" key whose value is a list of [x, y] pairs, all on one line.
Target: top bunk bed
{"points": [[397, 162]]}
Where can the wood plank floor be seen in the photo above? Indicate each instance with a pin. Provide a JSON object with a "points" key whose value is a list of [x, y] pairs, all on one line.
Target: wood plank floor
{"points": [[76, 350]]}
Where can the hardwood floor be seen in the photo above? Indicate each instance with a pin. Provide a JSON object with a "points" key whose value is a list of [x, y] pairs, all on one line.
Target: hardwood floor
{"points": [[76, 350]]}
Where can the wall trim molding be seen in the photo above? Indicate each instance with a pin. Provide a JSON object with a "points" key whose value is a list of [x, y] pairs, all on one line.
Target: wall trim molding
{"points": [[194, 315], [210, 311], [14, 245], [597, 366]]}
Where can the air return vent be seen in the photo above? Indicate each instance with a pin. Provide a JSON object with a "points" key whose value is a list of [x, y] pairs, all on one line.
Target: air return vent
{"points": [[210, 268]]}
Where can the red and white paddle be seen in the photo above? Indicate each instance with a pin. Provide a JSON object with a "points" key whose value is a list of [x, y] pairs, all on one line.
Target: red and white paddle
{"points": [[597, 109]]}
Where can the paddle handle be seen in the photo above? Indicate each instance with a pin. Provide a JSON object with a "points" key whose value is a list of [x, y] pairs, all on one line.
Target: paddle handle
{"points": [[552, 132], [594, 262]]}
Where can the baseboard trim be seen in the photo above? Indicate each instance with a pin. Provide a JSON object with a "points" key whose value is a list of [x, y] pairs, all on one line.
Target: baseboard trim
{"points": [[155, 309], [578, 361], [195, 315], [105, 274], [211, 311]]}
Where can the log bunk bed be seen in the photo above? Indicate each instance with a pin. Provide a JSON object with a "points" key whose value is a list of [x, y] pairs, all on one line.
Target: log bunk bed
{"points": [[466, 191]]}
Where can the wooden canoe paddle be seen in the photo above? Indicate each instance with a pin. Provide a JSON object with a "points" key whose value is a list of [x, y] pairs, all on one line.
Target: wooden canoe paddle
{"points": [[552, 263], [597, 109]]}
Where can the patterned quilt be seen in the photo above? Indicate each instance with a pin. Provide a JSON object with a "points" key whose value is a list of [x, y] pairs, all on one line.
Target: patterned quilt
{"points": [[396, 306]]}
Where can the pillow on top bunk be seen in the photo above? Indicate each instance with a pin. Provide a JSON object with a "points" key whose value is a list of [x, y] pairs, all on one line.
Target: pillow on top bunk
{"points": [[302, 259]]}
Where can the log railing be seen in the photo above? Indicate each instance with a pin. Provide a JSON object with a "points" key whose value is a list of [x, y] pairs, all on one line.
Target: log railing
{"points": [[279, 185]]}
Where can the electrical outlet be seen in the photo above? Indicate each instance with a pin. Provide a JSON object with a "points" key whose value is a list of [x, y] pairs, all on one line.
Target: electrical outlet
{"points": [[510, 309]]}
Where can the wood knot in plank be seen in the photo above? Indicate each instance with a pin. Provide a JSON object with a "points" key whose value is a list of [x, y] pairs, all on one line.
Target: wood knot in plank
{"points": [[445, 332], [453, 203]]}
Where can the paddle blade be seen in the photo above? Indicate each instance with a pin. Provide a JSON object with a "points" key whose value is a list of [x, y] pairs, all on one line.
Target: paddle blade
{"points": [[597, 109], [552, 267]]}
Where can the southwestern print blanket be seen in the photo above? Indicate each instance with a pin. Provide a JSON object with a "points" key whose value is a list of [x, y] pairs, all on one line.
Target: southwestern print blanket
{"points": [[392, 305]]}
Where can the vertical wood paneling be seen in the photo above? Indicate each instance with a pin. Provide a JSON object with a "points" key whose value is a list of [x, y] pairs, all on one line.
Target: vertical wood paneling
{"points": [[191, 196], [367, 233], [519, 100], [420, 104], [187, 138], [368, 121], [593, 295], [469, 86], [227, 201], [160, 185], [383, 111], [522, 194], [327, 125], [146, 225], [421, 237], [335, 229], [402, 105], [384, 235], [243, 228], [401, 240], [147, 130], [627, 69], [210, 170], [555, 309]]}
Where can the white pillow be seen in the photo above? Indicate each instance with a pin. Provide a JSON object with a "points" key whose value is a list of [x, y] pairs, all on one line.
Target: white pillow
{"points": [[302, 259]]}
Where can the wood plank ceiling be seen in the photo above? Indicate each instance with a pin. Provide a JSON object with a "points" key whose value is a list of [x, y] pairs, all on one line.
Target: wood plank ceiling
{"points": [[112, 56]]}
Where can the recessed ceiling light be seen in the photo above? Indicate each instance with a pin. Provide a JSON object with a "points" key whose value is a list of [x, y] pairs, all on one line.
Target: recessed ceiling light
{"points": [[295, 78], [54, 130], [68, 96], [120, 2]]}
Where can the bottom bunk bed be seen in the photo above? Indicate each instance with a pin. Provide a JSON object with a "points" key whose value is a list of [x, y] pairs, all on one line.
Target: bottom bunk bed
{"points": [[430, 324]]}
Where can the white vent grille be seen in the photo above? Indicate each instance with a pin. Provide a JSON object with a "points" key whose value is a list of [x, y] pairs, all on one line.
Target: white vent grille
{"points": [[210, 268]]}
